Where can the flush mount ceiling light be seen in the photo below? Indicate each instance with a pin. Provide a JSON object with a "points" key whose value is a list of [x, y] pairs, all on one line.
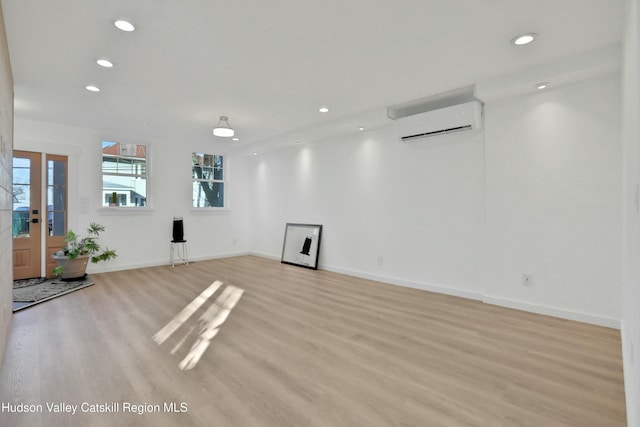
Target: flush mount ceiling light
{"points": [[524, 39], [104, 63], [92, 88], [323, 109], [223, 129], [123, 25], [541, 85]]}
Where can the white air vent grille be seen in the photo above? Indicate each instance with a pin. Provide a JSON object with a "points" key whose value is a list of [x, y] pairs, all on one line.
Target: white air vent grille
{"points": [[457, 118], [436, 132]]}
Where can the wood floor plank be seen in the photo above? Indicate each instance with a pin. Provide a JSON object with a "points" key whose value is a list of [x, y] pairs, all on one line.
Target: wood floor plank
{"points": [[305, 348]]}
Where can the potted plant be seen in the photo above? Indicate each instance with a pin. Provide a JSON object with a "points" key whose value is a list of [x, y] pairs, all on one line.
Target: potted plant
{"points": [[73, 258]]}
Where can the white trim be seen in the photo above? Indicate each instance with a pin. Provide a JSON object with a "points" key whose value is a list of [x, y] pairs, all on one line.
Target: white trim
{"points": [[267, 256], [224, 181], [554, 311], [210, 211], [123, 210], [406, 283], [388, 280], [106, 268], [503, 302]]}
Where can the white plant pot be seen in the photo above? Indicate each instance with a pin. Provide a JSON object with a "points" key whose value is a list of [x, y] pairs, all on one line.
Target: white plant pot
{"points": [[73, 268]]}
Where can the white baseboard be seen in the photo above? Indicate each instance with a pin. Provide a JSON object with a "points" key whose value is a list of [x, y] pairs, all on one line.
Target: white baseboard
{"points": [[503, 302], [406, 283], [265, 255], [553, 311], [106, 268]]}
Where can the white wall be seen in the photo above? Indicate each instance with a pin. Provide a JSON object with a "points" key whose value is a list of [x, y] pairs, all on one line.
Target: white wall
{"points": [[142, 239], [6, 165], [417, 205], [631, 213], [553, 200]]}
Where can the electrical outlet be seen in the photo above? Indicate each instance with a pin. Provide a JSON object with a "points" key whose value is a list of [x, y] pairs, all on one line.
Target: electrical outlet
{"points": [[527, 279], [380, 260]]}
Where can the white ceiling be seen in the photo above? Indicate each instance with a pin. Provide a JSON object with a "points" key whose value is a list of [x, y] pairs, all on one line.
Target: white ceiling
{"points": [[269, 64]]}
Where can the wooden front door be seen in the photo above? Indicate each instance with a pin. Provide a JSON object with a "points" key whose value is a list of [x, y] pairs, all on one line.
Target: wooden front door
{"points": [[56, 167], [27, 215], [32, 218]]}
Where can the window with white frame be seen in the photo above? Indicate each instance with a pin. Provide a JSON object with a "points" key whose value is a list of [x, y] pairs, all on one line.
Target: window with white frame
{"points": [[207, 173], [124, 174]]}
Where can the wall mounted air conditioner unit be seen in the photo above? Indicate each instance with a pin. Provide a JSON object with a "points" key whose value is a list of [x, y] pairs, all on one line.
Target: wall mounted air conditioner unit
{"points": [[456, 118]]}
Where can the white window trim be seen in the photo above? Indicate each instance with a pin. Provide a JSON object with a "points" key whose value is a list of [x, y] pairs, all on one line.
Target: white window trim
{"points": [[128, 210], [213, 210]]}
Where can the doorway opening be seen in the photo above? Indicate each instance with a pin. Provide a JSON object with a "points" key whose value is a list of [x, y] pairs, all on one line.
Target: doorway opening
{"points": [[39, 217]]}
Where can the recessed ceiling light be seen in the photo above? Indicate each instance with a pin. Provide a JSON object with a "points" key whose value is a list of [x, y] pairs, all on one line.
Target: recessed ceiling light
{"points": [[235, 138], [524, 39], [361, 128], [542, 85], [124, 25], [104, 63], [255, 154], [92, 88], [323, 109]]}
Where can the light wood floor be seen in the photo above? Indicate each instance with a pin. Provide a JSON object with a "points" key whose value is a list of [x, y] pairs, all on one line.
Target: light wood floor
{"points": [[307, 348]]}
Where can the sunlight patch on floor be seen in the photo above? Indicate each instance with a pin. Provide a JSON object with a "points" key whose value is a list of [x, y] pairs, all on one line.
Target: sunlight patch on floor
{"points": [[207, 325]]}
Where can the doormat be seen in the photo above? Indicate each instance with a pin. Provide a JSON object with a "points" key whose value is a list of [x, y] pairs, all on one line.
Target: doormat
{"points": [[23, 283], [44, 291]]}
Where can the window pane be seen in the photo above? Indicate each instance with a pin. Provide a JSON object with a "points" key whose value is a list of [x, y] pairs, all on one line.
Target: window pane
{"points": [[21, 196], [56, 223], [124, 172], [130, 191], [21, 171], [208, 194], [56, 194], [109, 164], [56, 173], [201, 166], [56, 198], [21, 222], [217, 171]]}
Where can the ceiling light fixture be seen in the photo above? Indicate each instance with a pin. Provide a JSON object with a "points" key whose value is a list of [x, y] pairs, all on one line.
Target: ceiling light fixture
{"points": [[123, 25], [361, 128], [235, 139], [104, 63], [255, 154], [542, 85], [92, 88], [323, 109], [524, 39], [223, 129]]}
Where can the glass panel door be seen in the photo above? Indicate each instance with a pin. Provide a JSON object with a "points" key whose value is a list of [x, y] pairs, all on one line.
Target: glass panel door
{"points": [[26, 221], [56, 207]]}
